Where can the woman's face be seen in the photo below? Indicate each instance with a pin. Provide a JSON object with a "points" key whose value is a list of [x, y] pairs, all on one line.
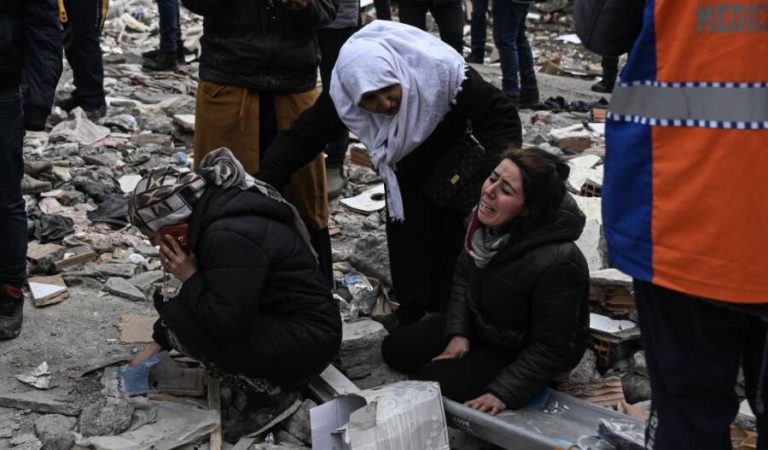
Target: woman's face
{"points": [[502, 197], [383, 101]]}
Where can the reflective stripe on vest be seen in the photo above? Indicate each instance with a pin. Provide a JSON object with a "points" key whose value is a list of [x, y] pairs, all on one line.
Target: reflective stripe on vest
{"points": [[695, 104]]}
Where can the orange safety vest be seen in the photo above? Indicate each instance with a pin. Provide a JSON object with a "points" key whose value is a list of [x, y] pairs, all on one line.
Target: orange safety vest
{"points": [[686, 177]]}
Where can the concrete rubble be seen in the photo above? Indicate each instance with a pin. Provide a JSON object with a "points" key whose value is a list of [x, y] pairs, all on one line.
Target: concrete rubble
{"points": [[78, 176]]}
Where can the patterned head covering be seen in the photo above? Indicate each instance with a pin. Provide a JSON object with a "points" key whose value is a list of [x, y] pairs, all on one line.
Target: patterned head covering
{"points": [[164, 197]]}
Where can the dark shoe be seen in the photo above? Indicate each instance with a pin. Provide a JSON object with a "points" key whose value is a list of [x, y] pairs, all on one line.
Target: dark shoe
{"points": [[11, 309], [528, 98], [336, 181], [475, 58], [163, 61], [603, 86], [404, 316], [93, 113], [180, 54], [260, 413]]}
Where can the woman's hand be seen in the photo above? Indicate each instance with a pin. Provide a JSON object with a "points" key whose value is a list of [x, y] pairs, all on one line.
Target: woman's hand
{"points": [[151, 350], [487, 403], [181, 265], [457, 348]]}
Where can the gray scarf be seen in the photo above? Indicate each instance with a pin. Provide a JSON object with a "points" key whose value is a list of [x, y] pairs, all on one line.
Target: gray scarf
{"points": [[481, 242]]}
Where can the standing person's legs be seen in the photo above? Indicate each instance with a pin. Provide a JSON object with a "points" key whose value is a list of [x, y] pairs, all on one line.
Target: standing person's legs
{"points": [[505, 34], [413, 13], [692, 351], [383, 10], [478, 31], [529, 89], [308, 189], [610, 66], [755, 334], [13, 217], [81, 45], [170, 25], [450, 21], [331, 41]]}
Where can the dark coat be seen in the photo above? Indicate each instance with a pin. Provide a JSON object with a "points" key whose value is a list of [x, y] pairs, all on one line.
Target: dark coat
{"points": [[258, 304], [259, 44], [493, 116], [531, 300], [608, 27], [30, 52]]}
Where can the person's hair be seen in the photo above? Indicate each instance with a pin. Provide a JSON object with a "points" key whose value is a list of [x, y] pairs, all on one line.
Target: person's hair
{"points": [[544, 178]]}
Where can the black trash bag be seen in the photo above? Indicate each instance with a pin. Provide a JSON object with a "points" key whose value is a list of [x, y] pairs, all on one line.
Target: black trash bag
{"points": [[623, 434], [98, 192], [113, 211], [51, 227]]}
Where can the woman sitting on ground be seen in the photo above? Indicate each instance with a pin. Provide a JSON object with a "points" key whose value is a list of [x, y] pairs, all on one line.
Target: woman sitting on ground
{"points": [[253, 306], [518, 317]]}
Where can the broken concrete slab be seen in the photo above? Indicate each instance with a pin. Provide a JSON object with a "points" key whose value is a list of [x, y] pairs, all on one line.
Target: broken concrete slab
{"points": [[359, 354], [107, 416], [135, 328], [44, 256], [74, 257], [610, 277], [40, 377], [48, 290], [185, 121], [574, 138], [591, 244], [26, 441], [145, 280], [128, 182], [38, 401], [123, 270], [55, 431], [122, 288]]}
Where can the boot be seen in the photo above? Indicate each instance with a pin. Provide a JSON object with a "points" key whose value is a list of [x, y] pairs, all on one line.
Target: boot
{"points": [[475, 58], [11, 309], [257, 413], [603, 86], [163, 61], [180, 54], [528, 98], [93, 113]]}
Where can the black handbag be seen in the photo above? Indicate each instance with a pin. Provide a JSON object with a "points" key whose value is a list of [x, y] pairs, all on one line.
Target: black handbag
{"points": [[455, 180]]}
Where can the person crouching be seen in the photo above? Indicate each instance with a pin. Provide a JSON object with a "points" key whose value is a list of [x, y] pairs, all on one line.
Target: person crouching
{"points": [[253, 306]]}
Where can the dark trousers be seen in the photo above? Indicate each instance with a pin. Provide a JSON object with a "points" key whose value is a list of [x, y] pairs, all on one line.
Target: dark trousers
{"points": [[383, 11], [13, 217], [610, 68], [423, 248], [331, 41], [410, 350], [448, 16], [81, 46], [693, 348], [170, 25], [515, 55], [479, 24]]}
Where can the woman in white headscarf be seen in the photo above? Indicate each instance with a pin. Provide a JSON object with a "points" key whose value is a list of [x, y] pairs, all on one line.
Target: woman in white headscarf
{"points": [[411, 99]]}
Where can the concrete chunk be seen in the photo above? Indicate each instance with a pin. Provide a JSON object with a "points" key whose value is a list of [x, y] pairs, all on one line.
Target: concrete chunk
{"points": [[117, 270], [39, 402], [145, 281], [122, 288], [360, 346]]}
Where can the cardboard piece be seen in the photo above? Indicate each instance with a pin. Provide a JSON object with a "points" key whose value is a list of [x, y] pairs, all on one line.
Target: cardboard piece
{"points": [[135, 328], [407, 415], [368, 201], [48, 290]]}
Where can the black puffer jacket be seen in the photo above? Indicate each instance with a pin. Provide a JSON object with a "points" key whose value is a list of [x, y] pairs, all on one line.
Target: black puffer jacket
{"points": [[260, 44], [258, 304], [531, 300], [30, 40], [492, 114]]}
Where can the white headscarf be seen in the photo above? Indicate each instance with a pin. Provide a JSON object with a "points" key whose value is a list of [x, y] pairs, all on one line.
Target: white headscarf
{"points": [[430, 74]]}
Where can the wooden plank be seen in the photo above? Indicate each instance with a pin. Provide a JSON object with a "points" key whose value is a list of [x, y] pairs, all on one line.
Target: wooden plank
{"points": [[214, 402]]}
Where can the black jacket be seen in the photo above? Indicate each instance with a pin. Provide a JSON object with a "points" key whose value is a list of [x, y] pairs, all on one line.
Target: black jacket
{"points": [[608, 27], [260, 44], [30, 52], [531, 300], [493, 116], [258, 304]]}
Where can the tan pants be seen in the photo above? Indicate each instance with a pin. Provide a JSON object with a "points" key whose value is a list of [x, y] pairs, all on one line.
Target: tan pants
{"points": [[228, 116]]}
